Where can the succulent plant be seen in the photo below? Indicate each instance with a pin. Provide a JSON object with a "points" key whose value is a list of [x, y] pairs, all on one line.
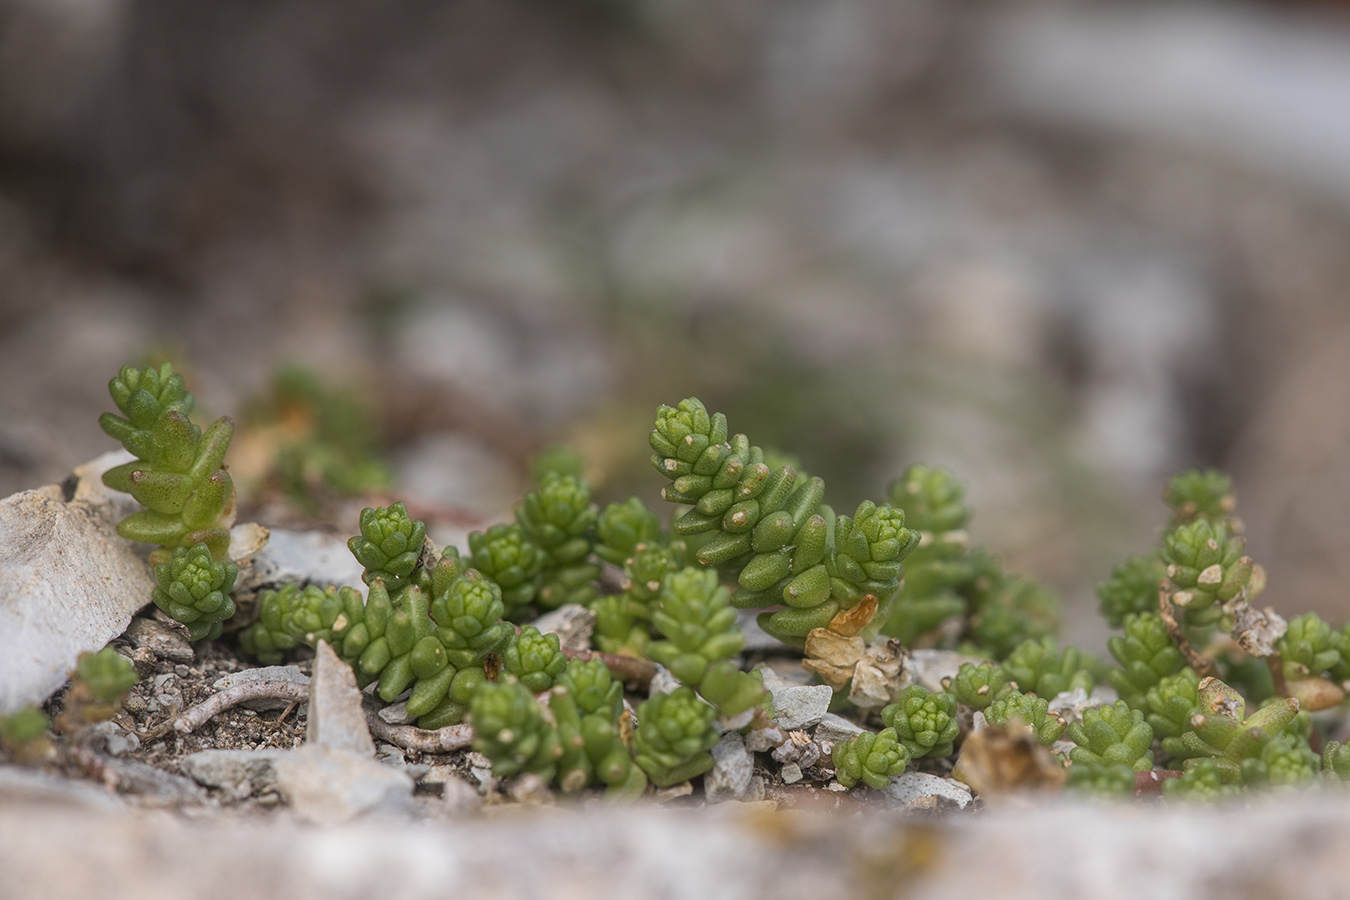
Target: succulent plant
{"points": [[979, 684], [1208, 567], [593, 746], [389, 546], [535, 659], [1005, 610], [1201, 494], [622, 527], [699, 625], [23, 735], [936, 570], [510, 729], [559, 519], [1132, 588], [195, 589], [1309, 652], [1146, 655], [623, 622], [1236, 742], [1336, 762], [436, 629], [771, 528], [504, 554], [873, 758], [1169, 707], [1112, 735], [1203, 780], [1029, 710], [924, 722], [1038, 667], [675, 732], [1113, 781], [178, 472]]}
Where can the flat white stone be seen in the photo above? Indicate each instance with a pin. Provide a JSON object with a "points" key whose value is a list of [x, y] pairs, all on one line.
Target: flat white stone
{"points": [[305, 556], [919, 791], [801, 706], [836, 728], [68, 582], [927, 668], [239, 773]]}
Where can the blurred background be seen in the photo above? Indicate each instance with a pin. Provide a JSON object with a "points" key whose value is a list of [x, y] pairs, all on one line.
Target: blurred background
{"points": [[1062, 249]]}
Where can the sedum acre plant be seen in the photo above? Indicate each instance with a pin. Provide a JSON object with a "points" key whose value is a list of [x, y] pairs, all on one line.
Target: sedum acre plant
{"points": [[451, 634], [177, 474]]}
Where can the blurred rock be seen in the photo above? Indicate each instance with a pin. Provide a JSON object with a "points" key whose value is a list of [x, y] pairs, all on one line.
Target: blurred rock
{"points": [[238, 773], [327, 786], [927, 668], [612, 852]]}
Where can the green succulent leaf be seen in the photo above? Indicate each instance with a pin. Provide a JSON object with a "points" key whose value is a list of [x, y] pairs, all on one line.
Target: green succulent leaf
{"points": [[559, 518]]}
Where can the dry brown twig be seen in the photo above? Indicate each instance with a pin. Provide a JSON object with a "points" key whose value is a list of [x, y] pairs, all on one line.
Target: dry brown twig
{"points": [[410, 737], [217, 703], [1203, 665]]}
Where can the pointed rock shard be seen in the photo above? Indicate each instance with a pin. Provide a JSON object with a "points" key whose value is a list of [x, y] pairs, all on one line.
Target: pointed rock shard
{"points": [[336, 720]]}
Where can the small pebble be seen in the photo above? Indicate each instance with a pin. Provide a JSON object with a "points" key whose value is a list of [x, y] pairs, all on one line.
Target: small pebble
{"points": [[762, 739], [791, 773], [396, 713], [182, 671]]}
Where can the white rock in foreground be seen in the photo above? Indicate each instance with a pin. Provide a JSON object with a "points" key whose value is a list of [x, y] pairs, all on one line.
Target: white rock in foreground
{"points": [[68, 582], [1294, 846]]}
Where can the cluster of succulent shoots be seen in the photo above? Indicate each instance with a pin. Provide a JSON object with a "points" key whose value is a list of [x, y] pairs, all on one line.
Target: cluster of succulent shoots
{"points": [[433, 627], [97, 687], [178, 472], [1209, 694]]}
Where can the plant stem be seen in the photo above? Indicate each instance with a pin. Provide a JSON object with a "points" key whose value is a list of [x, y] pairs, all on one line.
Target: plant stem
{"points": [[1203, 665]]}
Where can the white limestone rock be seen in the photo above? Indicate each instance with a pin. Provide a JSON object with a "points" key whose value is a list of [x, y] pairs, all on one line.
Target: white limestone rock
{"points": [[921, 792], [68, 582]]}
